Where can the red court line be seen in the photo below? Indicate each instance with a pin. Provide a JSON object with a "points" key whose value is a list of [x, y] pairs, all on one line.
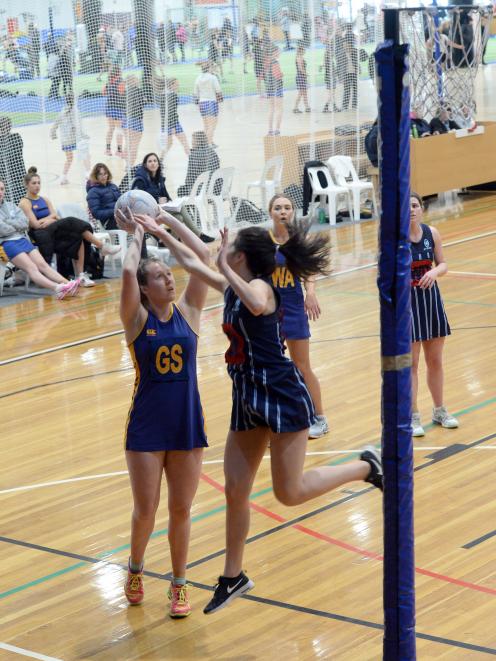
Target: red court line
{"points": [[351, 547]]}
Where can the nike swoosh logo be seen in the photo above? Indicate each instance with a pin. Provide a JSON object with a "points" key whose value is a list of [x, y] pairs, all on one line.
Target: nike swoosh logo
{"points": [[231, 589]]}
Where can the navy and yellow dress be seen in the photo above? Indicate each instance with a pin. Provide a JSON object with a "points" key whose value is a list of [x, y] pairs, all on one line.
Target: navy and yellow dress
{"points": [[166, 412], [268, 389], [428, 315], [295, 324]]}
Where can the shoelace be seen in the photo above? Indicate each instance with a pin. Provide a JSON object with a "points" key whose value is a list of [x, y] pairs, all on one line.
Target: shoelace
{"points": [[178, 593], [135, 582]]}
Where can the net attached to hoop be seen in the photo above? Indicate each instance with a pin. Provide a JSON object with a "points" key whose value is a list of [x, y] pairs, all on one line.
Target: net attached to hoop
{"points": [[446, 49]]}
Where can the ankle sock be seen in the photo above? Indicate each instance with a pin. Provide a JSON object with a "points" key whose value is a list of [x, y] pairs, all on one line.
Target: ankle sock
{"points": [[178, 581], [135, 568]]}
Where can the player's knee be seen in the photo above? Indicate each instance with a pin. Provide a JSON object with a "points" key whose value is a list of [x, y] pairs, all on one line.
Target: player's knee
{"points": [[287, 494], [236, 491], [145, 511], [180, 510]]}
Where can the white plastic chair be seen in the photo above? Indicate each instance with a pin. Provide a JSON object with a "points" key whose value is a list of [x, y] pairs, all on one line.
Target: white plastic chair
{"points": [[223, 177], [154, 250], [197, 200], [270, 180], [345, 175], [325, 193]]}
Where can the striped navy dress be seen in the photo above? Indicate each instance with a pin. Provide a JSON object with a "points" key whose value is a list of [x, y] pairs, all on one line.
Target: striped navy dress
{"points": [[428, 315], [268, 389]]}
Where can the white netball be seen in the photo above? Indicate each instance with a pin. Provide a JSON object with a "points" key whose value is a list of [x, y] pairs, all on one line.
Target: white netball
{"points": [[139, 201]]}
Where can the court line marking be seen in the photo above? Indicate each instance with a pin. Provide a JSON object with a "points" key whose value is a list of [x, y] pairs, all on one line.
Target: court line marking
{"points": [[24, 652], [283, 523], [211, 462], [219, 305], [474, 273], [250, 597], [479, 540]]}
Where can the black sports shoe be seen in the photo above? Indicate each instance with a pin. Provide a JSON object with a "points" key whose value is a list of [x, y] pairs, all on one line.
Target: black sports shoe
{"points": [[206, 239], [226, 590], [373, 458]]}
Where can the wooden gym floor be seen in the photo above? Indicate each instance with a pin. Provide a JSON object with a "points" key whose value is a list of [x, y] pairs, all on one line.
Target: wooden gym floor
{"points": [[65, 502]]}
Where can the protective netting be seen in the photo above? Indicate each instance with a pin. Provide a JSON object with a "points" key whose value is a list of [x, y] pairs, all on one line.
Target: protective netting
{"points": [[205, 86], [446, 50]]}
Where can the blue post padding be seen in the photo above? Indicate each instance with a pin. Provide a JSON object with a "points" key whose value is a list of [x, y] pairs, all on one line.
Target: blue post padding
{"points": [[394, 292]]}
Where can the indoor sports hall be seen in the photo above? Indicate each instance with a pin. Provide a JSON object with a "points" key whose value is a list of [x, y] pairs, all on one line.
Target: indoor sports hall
{"points": [[67, 375]]}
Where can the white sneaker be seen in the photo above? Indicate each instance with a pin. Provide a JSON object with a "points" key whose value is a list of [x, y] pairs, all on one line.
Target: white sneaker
{"points": [[109, 249], [63, 180], [417, 429], [85, 280], [440, 416], [319, 427]]}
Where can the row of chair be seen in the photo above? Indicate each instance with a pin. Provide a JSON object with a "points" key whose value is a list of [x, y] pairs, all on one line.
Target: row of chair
{"points": [[338, 179]]}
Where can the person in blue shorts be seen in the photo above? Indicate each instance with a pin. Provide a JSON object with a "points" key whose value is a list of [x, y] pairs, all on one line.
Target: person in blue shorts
{"points": [[274, 89], [296, 309], [169, 116], [430, 325], [208, 95], [165, 429], [16, 248], [270, 401], [115, 103]]}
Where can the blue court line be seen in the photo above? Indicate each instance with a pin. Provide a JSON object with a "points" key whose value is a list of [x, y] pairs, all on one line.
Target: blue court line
{"points": [[205, 515]]}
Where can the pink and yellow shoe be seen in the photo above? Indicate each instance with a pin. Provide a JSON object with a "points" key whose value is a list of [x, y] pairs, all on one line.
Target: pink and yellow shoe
{"points": [[67, 289], [133, 587], [178, 595]]}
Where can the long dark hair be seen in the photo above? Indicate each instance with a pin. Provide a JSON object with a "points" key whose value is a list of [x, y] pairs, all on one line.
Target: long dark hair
{"points": [[305, 254], [158, 173]]}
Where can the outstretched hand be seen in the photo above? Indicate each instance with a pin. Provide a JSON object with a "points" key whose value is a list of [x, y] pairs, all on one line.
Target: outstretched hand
{"points": [[148, 223], [221, 259], [125, 220]]}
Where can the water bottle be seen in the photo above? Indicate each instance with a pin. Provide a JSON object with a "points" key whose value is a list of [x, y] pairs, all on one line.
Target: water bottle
{"points": [[322, 216], [415, 133]]}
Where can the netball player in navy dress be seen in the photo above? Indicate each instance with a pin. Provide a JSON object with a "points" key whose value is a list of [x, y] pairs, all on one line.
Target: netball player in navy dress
{"points": [[429, 322], [270, 399], [296, 309], [165, 430]]}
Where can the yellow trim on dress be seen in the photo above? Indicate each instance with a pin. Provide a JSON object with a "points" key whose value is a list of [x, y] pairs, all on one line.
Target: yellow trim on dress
{"points": [[135, 390]]}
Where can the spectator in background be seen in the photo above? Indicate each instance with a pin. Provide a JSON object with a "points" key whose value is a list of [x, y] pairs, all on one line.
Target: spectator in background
{"points": [[34, 48], [274, 89], [101, 195], [418, 126], [464, 118], [208, 95], [285, 27], [115, 103], [351, 71], [442, 123], [306, 30], [202, 158], [169, 116], [181, 39], [12, 168], [72, 137], [117, 42], [149, 178], [101, 41], [330, 73], [170, 38], [301, 80], [227, 40], [132, 123], [161, 42], [258, 57], [215, 54]]}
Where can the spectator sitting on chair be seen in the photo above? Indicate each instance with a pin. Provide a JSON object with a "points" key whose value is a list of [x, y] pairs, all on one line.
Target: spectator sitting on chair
{"points": [[442, 123], [202, 158], [149, 178], [62, 236], [101, 195], [417, 121], [16, 248]]}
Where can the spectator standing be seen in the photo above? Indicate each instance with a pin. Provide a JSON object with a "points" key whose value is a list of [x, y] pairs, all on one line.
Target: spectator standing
{"points": [[227, 40], [133, 120], [285, 27], [12, 168], [161, 42], [71, 137], [181, 39], [301, 80], [350, 78], [115, 104], [101, 41], [274, 90], [169, 116], [34, 48], [170, 38], [208, 95]]}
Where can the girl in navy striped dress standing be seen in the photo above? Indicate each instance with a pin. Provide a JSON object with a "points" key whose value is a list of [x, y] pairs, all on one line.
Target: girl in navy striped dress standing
{"points": [[429, 322]]}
